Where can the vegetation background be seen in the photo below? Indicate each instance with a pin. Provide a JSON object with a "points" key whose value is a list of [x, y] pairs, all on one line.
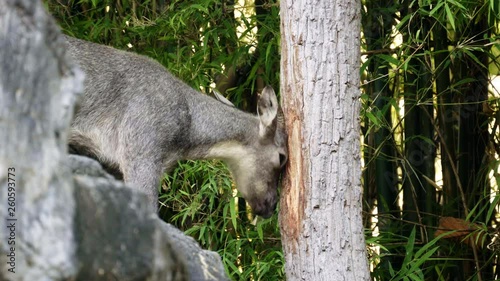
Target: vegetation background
{"points": [[430, 125]]}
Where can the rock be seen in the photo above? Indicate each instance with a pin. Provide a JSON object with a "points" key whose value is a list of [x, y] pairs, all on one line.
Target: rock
{"points": [[201, 264], [81, 165], [38, 87], [67, 219], [119, 237], [116, 222]]}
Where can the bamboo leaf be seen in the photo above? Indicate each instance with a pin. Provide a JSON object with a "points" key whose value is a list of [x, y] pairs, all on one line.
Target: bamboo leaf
{"points": [[199, 8], [457, 4], [492, 207], [424, 258], [373, 118], [260, 231], [389, 59], [438, 6], [471, 55], [406, 64], [391, 270], [463, 81], [232, 206], [363, 67], [409, 247], [450, 17], [403, 21]]}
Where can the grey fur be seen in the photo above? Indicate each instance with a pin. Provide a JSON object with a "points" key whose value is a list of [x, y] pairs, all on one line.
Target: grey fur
{"points": [[139, 120]]}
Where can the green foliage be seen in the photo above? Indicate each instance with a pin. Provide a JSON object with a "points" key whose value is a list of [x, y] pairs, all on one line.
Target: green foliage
{"points": [[195, 41], [419, 259], [198, 199], [414, 259], [429, 123]]}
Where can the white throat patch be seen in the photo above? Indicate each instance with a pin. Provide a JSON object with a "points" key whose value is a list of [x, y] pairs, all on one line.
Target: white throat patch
{"points": [[241, 163]]}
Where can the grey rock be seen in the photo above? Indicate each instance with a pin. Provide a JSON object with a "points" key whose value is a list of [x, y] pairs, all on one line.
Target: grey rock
{"points": [[81, 165], [38, 86], [201, 264], [119, 236], [67, 218], [116, 221]]}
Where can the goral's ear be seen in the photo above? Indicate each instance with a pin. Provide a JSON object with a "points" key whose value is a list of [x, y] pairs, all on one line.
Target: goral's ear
{"points": [[221, 98], [267, 108]]}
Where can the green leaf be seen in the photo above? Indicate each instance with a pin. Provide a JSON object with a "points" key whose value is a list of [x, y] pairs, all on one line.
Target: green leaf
{"points": [[403, 21], [389, 59], [202, 232], [457, 4], [260, 232], [492, 207], [232, 207], [470, 54], [199, 8], [363, 67], [450, 17], [406, 63], [409, 247], [436, 8], [416, 276], [391, 270], [463, 81], [419, 260], [373, 118]]}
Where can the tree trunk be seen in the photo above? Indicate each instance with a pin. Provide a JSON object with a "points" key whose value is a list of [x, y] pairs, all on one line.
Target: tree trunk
{"points": [[320, 216]]}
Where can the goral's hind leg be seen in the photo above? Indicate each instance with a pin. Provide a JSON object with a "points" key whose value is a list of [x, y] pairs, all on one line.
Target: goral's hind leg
{"points": [[81, 145], [145, 174]]}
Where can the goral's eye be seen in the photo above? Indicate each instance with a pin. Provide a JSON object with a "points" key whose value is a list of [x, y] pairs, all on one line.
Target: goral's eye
{"points": [[283, 159]]}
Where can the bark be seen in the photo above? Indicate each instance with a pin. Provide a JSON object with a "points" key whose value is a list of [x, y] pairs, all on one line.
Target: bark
{"points": [[321, 203]]}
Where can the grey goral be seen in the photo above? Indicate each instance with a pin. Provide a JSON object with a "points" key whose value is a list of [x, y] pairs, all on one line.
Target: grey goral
{"points": [[139, 120]]}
